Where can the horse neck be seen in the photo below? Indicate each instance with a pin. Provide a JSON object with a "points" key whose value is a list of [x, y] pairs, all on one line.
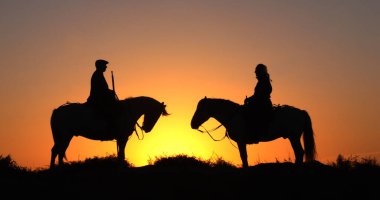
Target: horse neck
{"points": [[223, 110], [132, 109], [138, 106]]}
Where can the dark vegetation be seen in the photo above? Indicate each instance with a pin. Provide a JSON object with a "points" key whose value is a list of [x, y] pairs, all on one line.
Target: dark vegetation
{"points": [[186, 177]]}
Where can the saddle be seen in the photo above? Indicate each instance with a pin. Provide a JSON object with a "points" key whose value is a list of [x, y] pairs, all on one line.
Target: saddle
{"points": [[109, 113]]}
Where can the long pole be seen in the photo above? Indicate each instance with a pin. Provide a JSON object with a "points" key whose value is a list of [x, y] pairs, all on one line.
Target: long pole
{"points": [[113, 86], [113, 82]]}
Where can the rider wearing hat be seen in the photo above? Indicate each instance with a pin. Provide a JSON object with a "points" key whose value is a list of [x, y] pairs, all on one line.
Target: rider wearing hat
{"points": [[101, 97]]}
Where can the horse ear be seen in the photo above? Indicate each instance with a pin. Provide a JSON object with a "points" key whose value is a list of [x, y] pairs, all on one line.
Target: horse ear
{"points": [[205, 97], [163, 103]]}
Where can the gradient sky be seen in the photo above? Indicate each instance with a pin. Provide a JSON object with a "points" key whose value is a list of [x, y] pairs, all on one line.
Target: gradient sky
{"points": [[323, 56]]}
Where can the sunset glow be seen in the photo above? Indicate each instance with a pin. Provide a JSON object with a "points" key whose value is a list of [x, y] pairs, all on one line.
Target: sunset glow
{"points": [[322, 57]]}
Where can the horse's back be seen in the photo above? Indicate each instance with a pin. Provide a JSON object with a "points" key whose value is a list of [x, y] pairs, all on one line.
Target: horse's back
{"points": [[289, 118], [79, 119], [286, 108], [287, 111], [68, 108], [68, 112]]}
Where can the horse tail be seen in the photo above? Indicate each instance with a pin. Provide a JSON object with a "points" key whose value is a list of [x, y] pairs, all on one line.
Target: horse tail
{"points": [[55, 129], [308, 139], [53, 124]]}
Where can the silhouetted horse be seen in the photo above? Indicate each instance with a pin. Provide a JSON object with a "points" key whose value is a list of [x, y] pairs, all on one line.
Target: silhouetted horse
{"points": [[75, 119], [289, 122]]}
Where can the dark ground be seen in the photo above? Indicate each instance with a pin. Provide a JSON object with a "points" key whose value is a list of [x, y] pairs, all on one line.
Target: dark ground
{"points": [[186, 179]]}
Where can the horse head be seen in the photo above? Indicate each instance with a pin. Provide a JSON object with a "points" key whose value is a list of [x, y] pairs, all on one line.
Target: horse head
{"points": [[152, 115], [200, 116]]}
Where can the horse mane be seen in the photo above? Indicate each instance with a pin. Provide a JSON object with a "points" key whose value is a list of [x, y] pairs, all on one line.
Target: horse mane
{"points": [[152, 102], [217, 103], [220, 100], [138, 99]]}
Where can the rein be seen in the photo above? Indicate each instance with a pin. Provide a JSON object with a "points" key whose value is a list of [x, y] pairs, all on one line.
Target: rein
{"points": [[214, 129], [142, 132]]}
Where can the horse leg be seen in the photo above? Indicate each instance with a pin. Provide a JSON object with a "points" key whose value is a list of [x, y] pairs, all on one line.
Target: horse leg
{"points": [[121, 143], [61, 155], [297, 148], [243, 154], [54, 154], [62, 150]]}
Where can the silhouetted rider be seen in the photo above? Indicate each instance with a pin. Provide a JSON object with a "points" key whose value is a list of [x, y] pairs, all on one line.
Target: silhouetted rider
{"points": [[101, 97], [258, 107]]}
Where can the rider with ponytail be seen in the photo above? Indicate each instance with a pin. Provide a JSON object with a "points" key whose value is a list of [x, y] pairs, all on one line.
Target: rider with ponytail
{"points": [[259, 106]]}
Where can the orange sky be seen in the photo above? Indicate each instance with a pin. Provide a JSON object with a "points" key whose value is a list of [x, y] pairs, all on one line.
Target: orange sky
{"points": [[322, 57]]}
